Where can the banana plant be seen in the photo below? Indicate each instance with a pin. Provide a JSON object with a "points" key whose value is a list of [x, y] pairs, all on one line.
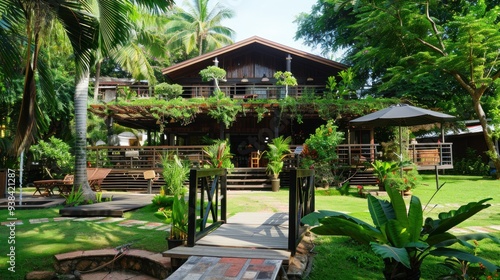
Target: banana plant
{"points": [[400, 236]]}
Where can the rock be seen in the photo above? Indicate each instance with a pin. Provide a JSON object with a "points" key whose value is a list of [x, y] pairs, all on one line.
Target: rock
{"points": [[41, 275]]}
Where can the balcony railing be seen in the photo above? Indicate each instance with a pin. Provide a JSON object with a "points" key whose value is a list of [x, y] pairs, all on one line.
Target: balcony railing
{"points": [[424, 155], [244, 92], [141, 157]]}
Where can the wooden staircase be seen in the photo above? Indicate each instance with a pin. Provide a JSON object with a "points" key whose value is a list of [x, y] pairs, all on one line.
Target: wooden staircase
{"points": [[248, 178], [363, 178]]}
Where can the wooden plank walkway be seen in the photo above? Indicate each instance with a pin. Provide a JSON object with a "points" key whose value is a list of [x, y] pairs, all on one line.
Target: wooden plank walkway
{"points": [[245, 235]]}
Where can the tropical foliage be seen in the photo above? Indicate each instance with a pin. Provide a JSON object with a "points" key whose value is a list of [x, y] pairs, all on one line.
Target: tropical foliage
{"points": [[175, 174], [198, 29], [320, 152], [55, 156], [437, 53], [400, 236], [219, 154], [278, 150]]}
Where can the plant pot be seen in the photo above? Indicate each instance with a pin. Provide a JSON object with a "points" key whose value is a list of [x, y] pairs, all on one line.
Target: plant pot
{"points": [[275, 184], [172, 243], [396, 271]]}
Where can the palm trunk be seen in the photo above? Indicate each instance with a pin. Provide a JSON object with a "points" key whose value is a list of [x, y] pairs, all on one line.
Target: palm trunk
{"points": [[81, 96], [96, 83]]}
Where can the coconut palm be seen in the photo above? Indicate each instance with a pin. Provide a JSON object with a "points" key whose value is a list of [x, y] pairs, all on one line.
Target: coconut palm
{"points": [[199, 28], [146, 40], [90, 25]]}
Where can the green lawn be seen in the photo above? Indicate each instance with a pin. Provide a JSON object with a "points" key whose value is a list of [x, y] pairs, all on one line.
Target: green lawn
{"points": [[337, 257], [359, 262]]}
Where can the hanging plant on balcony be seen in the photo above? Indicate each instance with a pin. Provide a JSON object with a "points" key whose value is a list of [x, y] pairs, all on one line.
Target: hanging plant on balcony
{"points": [[261, 112], [223, 109]]}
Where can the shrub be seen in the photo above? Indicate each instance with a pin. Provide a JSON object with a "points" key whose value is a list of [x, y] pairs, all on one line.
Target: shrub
{"points": [[55, 156], [168, 91], [471, 164]]}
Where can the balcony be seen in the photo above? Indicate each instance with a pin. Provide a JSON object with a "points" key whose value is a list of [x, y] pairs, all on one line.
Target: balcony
{"points": [[427, 156], [108, 93]]}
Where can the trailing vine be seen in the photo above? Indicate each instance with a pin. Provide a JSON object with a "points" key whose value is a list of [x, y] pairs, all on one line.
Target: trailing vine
{"points": [[261, 112], [223, 109]]}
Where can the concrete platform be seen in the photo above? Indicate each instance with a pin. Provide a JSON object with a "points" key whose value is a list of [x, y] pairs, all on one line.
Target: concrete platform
{"points": [[121, 203]]}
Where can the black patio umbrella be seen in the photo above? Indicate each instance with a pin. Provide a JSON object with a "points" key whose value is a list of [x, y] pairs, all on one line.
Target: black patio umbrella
{"points": [[401, 115]]}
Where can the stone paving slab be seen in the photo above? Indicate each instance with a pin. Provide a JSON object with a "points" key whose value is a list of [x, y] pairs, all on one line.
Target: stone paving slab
{"points": [[210, 268], [131, 223], [110, 220], [151, 225], [39, 221]]}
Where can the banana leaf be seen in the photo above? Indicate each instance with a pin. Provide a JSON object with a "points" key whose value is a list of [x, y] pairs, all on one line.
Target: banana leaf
{"points": [[348, 226], [380, 210], [399, 205], [386, 251], [448, 220], [464, 256], [415, 219], [396, 233]]}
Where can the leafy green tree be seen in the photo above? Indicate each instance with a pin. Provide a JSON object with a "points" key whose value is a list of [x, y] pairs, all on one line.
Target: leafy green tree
{"points": [[320, 152], [199, 28], [434, 52]]}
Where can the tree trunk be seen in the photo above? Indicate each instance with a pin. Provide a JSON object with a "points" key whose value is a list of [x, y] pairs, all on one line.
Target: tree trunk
{"points": [[96, 83], [81, 96], [488, 138]]}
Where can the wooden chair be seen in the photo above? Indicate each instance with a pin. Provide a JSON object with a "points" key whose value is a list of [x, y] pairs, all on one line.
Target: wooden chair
{"points": [[255, 159], [96, 177]]}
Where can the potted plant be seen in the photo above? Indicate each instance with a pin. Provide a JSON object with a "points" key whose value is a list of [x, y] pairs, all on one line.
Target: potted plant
{"points": [[279, 148], [382, 169], [175, 173], [400, 236]]}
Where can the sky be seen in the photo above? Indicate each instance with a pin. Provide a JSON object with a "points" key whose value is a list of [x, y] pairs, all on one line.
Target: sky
{"points": [[269, 19]]}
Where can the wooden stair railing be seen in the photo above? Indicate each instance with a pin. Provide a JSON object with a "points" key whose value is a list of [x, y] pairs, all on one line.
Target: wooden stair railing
{"points": [[213, 185], [301, 203]]}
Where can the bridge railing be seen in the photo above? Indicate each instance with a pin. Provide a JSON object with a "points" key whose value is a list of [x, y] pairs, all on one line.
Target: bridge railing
{"points": [[301, 203], [209, 210]]}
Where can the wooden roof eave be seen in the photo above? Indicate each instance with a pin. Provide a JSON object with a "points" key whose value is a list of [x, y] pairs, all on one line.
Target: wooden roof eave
{"points": [[249, 41]]}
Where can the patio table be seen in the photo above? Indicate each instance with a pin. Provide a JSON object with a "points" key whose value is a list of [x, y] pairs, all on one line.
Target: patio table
{"points": [[47, 186]]}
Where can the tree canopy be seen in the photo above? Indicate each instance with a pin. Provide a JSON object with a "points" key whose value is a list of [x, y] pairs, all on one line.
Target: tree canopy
{"points": [[442, 54]]}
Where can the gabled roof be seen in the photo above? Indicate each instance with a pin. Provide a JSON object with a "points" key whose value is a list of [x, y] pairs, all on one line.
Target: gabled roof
{"points": [[256, 42]]}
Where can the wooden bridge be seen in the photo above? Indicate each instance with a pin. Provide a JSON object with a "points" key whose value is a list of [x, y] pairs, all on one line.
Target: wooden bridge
{"points": [[255, 235]]}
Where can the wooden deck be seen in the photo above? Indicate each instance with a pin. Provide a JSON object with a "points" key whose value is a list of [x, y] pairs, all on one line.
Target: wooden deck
{"points": [[245, 235]]}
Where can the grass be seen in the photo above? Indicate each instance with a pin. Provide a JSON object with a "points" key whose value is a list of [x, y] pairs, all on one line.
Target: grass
{"points": [[359, 262], [336, 258]]}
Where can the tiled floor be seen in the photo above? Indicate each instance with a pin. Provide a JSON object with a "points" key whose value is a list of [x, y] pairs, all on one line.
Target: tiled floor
{"points": [[205, 268]]}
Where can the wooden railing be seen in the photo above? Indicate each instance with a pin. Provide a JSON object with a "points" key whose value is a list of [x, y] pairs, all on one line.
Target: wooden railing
{"points": [[141, 157], [301, 202], [356, 154], [212, 184], [429, 155], [424, 155], [250, 91]]}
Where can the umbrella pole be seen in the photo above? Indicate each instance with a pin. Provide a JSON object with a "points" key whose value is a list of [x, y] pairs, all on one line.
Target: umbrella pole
{"points": [[400, 153]]}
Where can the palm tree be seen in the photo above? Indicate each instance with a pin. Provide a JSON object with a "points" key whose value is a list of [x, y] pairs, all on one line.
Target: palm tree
{"points": [[199, 28], [145, 41], [90, 25], [24, 24], [113, 29]]}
